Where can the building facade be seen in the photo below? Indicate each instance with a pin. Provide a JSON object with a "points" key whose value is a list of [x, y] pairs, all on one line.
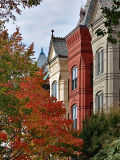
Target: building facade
{"points": [[80, 63], [58, 70], [106, 81], [84, 68]]}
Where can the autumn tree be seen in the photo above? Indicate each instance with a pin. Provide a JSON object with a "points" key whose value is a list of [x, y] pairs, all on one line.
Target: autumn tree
{"points": [[15, 63], [46, 133], [32, 124], [8, 8]]}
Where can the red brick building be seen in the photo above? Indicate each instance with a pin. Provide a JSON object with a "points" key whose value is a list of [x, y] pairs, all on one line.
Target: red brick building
{"points": [[80, 63]]}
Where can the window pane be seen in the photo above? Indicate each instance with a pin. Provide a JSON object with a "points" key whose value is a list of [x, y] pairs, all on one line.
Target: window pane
{"points": [[72, 84], [74, 78], [75, 82], [100, 62], [75, 72], [99, 101], [54, 89], [74, 116]]}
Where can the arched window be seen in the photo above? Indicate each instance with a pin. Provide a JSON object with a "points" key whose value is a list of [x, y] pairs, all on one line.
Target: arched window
{"points": [[74, 77], [74, 116], [99, 62], [99, 101], [54, 89]]}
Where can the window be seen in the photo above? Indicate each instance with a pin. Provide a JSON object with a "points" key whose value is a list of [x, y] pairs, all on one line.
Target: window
{"points": [[100, 62], [91, 75], [99, 101], [54, 89], [68, 89], [119, 57], [74, 77], [74, 116]]}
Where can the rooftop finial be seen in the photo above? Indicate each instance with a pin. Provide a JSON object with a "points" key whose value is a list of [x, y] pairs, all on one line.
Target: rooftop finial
{"points": [[41, 53], [41, 49], [52, 33]]}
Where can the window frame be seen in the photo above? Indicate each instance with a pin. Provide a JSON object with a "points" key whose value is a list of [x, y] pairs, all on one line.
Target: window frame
{"points": [[99, 61], [99, 101], [74, 77], [74, 116], [54, 89]]}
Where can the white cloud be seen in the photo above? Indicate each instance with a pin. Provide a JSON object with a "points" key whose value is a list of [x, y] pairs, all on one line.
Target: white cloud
{"points": [[36, 23]]}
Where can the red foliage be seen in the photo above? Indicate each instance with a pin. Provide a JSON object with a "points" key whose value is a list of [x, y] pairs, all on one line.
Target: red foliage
{"points": [[45, 129], [3, 136]]}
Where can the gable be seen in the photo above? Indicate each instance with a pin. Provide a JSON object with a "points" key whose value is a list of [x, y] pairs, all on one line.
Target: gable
{"points": [[52, 53]]}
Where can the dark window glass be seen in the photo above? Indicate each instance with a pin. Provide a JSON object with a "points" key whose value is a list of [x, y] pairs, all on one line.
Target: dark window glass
{"points": [[91, 74], [74, 116], [74, 77]]}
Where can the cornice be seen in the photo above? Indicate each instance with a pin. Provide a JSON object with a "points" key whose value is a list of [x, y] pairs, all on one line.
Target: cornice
{"points": [[59, 56]]}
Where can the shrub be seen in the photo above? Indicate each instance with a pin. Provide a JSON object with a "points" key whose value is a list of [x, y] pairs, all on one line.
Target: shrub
{"points": [[98, 130]]}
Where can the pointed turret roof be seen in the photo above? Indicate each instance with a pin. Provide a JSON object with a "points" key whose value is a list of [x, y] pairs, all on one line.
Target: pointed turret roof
{"points": [[42, 53], [86, 13], [42, 59], [85, 16]]}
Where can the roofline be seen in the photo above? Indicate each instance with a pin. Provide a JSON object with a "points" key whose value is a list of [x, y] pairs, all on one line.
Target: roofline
{"points": [[80, 26], [58, 38]]}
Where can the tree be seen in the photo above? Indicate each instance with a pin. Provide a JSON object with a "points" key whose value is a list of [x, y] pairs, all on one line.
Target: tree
{"points": [[98, 131], [110, 151], [47, 131], [15, 63], [112, 20], [9, 7], [32, 124]]}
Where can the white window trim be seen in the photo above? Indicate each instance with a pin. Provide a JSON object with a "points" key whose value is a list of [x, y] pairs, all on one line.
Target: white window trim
{"points": [[99, 62]]}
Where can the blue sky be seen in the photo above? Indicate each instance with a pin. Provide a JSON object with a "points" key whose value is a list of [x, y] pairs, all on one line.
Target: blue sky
{"points": [[36, 23]]}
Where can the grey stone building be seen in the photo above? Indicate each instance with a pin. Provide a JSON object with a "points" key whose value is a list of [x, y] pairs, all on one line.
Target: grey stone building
{"points": [[106, 57]]}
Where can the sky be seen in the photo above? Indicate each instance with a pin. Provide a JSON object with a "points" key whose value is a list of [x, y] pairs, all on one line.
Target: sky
{"points": [[36, 24]]}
